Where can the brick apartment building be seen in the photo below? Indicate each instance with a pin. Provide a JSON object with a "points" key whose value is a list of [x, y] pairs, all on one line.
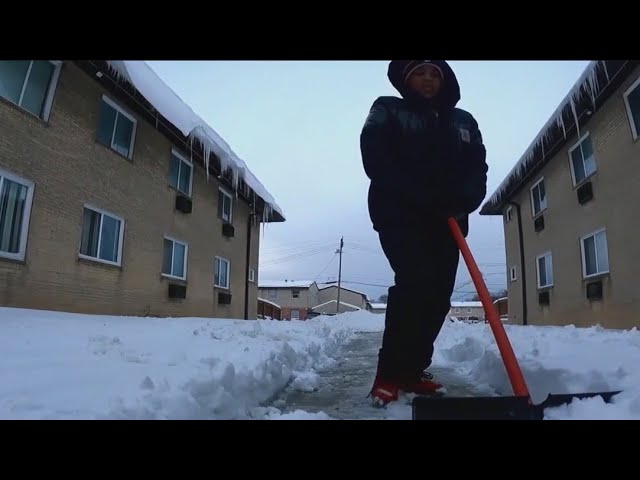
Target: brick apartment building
{"points": [[105, 202]]}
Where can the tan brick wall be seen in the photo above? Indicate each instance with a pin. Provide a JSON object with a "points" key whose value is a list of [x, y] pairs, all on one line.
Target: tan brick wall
{"points": [[616, 187], [69, 168]]}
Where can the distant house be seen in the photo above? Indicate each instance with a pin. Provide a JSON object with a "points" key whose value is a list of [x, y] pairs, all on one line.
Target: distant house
{"points": [[570, 207], [269, 310], [295, 297], [350, 300], [467, 310], [502, 306], [116, 198], [378, 307]]}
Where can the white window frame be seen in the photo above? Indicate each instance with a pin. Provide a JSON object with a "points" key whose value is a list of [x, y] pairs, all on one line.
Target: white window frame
{"points": [[51, 89], [573, 171], [186, 257], [112, 103], [584, 253], [635, 129], [252, 275], [227, 286], [546, 196], [184, 159], [548, 256], [24, 232], [226, 194], [513, 274], [102, 213], [297, 317], [508, 214]]}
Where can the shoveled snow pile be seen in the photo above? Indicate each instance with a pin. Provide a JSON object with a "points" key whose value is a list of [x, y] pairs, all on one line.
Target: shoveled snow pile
{"points": [[67, 366], [553, 360]]}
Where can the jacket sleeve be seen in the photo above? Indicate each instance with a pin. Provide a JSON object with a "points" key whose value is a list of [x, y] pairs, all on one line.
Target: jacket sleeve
{"points": [[379, 150], [474, 159]]}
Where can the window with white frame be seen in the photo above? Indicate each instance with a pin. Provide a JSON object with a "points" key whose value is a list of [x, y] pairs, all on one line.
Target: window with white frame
{"points": [[102, 236], [272, 293], [632, 104], [16, 198], [225, 206], [508, 214], [295, 314], [174, 258], [544, 265], [30, 84], [221, 273], [295, 293], [116, 128], [252, 275], [538, 197], [595, 255], [180, 173], [513, 276], [583, 162]]}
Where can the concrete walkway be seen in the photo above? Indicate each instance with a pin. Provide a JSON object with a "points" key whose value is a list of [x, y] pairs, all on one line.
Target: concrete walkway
{"points": [[343, 389]]}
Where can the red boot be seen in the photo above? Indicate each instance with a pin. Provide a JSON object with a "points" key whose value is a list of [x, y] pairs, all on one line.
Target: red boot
{"points": [[423, 385], [384, 392]]}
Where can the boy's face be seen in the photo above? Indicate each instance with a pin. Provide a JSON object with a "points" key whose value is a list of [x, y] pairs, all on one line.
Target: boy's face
{"points": [[426, 81]]}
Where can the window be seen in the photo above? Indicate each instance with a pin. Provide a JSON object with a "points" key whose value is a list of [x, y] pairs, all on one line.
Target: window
{"points": [[174, 258], [583, 163], [508, 215], [252, 275], [513, 274], [116, 128], [544, 266], [29, 84], [16, 197], [102, 236], [273, 293], [538, 197], [595, 256], [225, 203], [295, 314], [180, 173], [295, 293], [221, 273], [632, 102]]}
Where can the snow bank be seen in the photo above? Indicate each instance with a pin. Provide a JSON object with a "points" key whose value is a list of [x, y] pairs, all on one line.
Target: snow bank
{"points": [[174, 109], [68, 366], [553, 360]]}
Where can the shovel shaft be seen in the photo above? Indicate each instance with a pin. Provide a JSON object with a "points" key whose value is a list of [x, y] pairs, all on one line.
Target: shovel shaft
{"points": [[508, 357]]}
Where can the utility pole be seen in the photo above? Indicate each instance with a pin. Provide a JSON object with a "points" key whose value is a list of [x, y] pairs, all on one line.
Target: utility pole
{"points": [[339, 273]]}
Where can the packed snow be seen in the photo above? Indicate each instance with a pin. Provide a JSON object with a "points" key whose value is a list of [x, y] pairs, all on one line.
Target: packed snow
{"points": [[58, 365]]}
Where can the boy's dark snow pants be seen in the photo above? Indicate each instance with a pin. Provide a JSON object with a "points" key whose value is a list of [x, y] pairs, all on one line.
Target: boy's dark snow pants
{"points": [[425, 260]]}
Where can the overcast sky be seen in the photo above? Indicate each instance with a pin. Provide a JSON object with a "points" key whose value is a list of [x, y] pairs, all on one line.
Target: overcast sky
{"points": [[297, 125]]}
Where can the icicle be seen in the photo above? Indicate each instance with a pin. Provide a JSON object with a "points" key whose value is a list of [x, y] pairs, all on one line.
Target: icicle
{"points": [[606, 71], [575, 115]]}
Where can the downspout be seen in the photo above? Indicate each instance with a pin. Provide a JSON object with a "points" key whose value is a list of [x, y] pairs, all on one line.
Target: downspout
{"points": [[248, 266], [522, 263]]}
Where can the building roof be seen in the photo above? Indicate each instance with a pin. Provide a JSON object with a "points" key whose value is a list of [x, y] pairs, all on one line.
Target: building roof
{"points": [[260, 299], [343, 288], [335, 301], [596, 84], [466, 304], [168, 104], [378, 306], [285, 283]]}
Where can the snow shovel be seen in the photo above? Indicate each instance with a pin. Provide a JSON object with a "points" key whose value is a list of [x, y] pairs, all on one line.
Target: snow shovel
{"points": [[517, 407]]}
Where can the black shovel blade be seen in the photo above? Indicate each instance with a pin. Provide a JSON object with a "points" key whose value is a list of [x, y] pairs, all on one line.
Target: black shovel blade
{"points": [[492, 408]]}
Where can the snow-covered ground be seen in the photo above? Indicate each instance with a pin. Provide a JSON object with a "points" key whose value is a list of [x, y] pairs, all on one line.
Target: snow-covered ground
{"points": [[68, 366]]}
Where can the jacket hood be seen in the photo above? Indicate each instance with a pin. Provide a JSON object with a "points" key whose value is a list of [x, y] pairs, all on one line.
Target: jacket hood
{"points": [[449, 95]]}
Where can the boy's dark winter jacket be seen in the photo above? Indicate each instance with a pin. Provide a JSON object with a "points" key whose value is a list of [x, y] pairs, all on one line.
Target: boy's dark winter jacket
{"points": [[425, 158]]}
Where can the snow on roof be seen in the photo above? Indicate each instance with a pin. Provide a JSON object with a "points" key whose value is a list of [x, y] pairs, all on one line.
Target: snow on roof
{"points": [[174, 109], [335, 301], [269, 302], [378, 305], [587, 82], [285, 283], [466, 304]]}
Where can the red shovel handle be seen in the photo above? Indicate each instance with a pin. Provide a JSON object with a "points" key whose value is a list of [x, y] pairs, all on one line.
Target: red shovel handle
{"points": [[508, 357]]}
